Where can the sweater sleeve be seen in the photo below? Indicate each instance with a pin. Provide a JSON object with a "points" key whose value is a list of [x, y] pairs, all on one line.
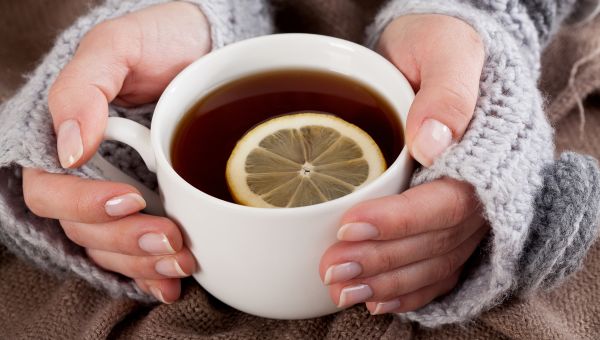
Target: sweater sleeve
{"points": [[27, 139], [507, 154]]}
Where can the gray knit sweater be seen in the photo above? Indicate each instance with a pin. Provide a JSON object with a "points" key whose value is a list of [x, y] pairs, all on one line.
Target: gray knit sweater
{"points": [[543, 213]]}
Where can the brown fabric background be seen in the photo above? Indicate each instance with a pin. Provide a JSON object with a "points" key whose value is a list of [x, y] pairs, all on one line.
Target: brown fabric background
{"points": [[36, 305], [27, 30]]}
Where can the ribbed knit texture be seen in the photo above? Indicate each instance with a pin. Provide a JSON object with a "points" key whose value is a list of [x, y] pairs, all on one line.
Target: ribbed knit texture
{"points": [[27, 139], [503, 154], [564, 225]]}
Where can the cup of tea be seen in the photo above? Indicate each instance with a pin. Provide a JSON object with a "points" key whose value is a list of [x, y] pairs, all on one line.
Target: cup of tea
{"points": [[265, 261]]}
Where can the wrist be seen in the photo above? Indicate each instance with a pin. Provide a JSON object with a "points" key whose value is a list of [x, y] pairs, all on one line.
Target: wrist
{"points": [[192, 18]]}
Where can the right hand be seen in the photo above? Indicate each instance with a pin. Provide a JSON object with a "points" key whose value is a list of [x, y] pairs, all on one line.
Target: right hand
{"points": [[127, 61]]}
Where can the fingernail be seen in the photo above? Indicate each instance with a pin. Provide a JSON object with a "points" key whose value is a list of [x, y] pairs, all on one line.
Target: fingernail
{"points": [[158, 295], [155, 244], [431, 140], [69, 143], [357, 231], [124, 204], [342, 272], [169, 267], [386, 307], [354, 294]]}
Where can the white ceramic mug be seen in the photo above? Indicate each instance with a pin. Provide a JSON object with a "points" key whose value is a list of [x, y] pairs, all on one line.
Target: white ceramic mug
{"points": [[263, 261]]}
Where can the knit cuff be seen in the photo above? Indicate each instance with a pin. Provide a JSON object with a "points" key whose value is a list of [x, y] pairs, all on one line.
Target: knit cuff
{"points": [[235, 20], [565, 223], [502, 154], [27, 140]]}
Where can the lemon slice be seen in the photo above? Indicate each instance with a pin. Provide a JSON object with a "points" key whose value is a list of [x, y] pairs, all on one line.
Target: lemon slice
{"points": [[301, 159]]}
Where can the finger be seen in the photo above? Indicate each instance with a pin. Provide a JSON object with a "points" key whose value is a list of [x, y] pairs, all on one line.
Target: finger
{"points": [[78, 99], [431, 206], [446, 79], [415, 300], [165, 290], [348, 260], [122, 60], [179, 265], [72, 198], [137, 234], [404, 280]]}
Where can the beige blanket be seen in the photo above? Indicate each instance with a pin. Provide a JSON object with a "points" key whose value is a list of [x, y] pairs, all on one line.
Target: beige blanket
{"points": [[37, 305]]}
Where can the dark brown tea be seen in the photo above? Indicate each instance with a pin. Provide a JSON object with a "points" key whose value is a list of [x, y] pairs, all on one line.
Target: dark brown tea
{"points": [[209, 131]]}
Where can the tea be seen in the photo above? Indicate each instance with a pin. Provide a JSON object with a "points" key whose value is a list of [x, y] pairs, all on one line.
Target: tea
{"points": [[209, 131]]}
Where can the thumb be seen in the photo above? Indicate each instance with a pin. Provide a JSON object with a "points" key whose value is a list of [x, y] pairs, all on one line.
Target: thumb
{"points": [[78, 99], [444, 103]]}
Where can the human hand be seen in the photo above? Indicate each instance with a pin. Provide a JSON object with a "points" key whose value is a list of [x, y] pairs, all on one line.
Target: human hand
{"points": [[398, 253], [103, 217], [127, 61], [442, 58]]}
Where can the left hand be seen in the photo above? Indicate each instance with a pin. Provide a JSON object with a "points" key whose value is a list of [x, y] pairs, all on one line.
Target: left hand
{"points": [[400, 252]]}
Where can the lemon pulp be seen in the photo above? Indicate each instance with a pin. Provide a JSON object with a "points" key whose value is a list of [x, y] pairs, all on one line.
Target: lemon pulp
{"points": [[301, 159]]}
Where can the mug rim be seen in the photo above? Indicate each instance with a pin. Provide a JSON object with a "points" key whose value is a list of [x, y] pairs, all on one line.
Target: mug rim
{"points": [[215, 56]]}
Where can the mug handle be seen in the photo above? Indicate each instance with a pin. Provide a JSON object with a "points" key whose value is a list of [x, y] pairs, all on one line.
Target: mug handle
{"points": [[138, 137]]}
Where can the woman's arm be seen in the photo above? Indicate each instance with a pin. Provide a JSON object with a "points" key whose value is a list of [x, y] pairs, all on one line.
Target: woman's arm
{"points": [[506, 154], [27, 138]]}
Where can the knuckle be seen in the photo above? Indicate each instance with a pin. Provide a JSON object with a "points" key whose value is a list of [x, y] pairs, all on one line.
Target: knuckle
{"points": [[140, 267], [72, 232], [35, 194], [61, 91], [395, 285], [400, 219], [458, 99], [33, 200], [460, 205], [450, 263], [383, 260], [452, 281], [88, 201], [474, 38], [81, 206], [123, 245], [468, 35], [443, 241], [446, 285], [416, 300], [131, 266]]}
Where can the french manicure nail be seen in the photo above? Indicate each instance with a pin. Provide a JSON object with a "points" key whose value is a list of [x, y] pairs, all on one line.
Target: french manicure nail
{"points": [[386, 307], [158, 294], [124, 204], [357, 231], [69, 143], [155, 244], [342, 272], [352, 295], [431, 140], [169, 267]]}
